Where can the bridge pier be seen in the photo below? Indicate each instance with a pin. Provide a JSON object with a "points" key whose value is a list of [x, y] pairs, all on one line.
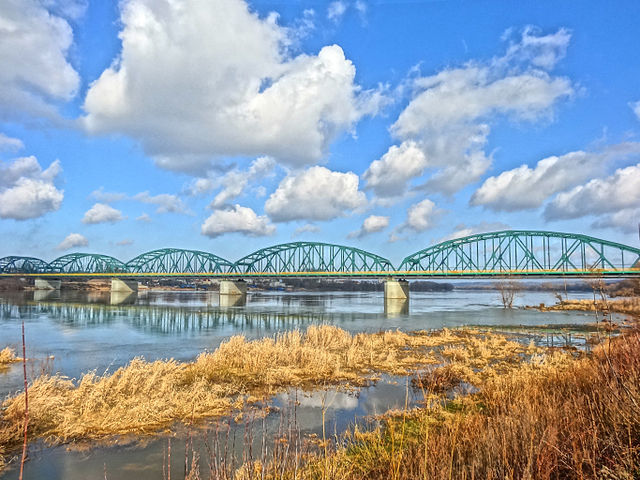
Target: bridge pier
{"points": [[47, 284], [396, 289], [233, 287], [126, 286], [395, 307]]}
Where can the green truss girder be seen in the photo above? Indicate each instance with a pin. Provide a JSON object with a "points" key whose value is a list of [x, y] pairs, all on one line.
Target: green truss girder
{"points": [[174, 260], [301, 257], [517, 252], [14, 264], [87, 263], [523, 251]]}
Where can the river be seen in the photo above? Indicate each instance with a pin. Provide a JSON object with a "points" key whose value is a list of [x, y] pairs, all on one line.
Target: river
{"points": [[79, 332]]}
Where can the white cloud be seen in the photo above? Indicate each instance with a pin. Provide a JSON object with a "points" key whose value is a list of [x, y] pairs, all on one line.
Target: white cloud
{"points": [[598, 196], [187, 104], [389, 176], [27, 191], [107, 197], [636, 108], [306, 228], [463, 230], [237, 220], [29, 31], [315, 194], [422, 215], [125, 242], [336, 10], [73, 240], [145, 218], [167, 203], [543, 51], [371, 224], [625, 220], [235, 182], [11, 144], [526, 188], [450, 113], [102, 213]]}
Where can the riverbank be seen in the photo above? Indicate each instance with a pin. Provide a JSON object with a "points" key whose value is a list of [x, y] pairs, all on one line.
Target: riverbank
{"points": [[557, 417], [144, 397], [629, 306]]}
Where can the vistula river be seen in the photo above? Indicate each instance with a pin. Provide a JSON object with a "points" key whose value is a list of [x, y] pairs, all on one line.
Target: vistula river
{"points": [[74, 333]]}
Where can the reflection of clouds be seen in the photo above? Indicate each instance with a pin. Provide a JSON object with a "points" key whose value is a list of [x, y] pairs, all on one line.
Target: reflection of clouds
{"points": [[385, 396], [333, 400]]}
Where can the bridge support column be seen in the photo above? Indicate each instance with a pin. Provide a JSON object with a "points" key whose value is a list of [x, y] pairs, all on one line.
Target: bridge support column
{"points": [[47, 284], [396, 289], [233, 287], [126, 286]]}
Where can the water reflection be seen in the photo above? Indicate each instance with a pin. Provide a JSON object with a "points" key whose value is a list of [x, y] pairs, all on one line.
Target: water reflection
{"points": [[395, 307], [233, 300], [123, 298]]}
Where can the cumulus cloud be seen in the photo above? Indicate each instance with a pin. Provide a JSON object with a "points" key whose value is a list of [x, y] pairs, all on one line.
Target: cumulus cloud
{"points": [[167, 203], [237, 219], [73, 240], [145, 218], [27, 191], [102, 213], [235, 182], [450, 114], [389, 176], [608, 195], [371, 224], [187, 104], [11, 144], [125, 242], [29, 31], [316, 194], [422, 216], [625, 220]]}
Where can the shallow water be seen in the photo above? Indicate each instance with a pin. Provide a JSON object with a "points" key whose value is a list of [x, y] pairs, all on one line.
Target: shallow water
{"points": [[78, 332]]}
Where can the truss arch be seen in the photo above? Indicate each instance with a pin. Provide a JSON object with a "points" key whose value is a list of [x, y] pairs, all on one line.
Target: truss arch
{"points": [[524, 252], [175, 260], [312, 258]]}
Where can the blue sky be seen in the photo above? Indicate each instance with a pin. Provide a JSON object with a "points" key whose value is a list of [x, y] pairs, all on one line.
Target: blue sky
{"points": [[226, 126]]}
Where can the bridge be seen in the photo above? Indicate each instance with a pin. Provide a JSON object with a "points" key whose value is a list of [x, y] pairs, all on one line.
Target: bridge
{"points": [[509, 253]]}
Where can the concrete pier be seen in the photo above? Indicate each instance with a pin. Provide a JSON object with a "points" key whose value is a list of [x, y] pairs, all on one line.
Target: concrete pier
{"points": [[233, 287], [120, 297], [396, 289], [120, 285], [47, 284], [396, 307]]}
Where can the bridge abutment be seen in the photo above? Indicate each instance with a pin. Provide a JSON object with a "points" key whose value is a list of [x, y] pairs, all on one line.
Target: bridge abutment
{"points": [[396, 289], [47, 284], [123, 286]]}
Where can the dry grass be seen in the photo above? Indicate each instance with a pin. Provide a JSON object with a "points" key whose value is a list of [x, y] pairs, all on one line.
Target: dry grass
{"points": [[7, 357], [145, 396], [629, 306], [556, 417]]}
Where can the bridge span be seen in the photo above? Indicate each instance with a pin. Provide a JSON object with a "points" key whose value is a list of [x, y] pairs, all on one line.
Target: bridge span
{"points": [[509, 253]]}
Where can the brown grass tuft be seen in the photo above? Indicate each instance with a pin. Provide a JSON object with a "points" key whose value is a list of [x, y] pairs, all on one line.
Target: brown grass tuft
{"points": [[7, 357]]}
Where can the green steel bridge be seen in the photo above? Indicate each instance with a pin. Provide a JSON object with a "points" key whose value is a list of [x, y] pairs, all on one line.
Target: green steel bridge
{"points": [[509, 253]]}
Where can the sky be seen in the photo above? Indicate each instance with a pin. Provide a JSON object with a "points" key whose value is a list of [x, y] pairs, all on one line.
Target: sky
{"points": [[231, 125]]}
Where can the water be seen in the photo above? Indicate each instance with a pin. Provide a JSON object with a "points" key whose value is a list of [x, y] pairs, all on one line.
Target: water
{"points": [[78, 332]]}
